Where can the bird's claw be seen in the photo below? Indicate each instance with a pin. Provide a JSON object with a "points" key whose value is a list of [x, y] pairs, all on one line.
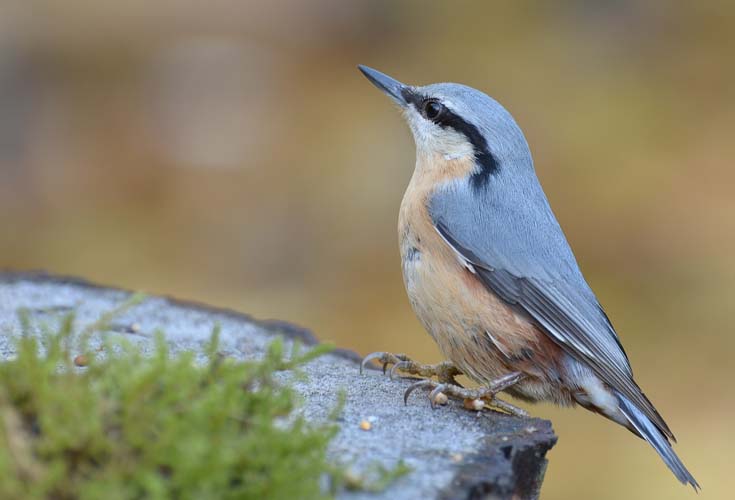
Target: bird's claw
{"points": [[384, 358], [485, 395], [416, 385], [446, 384], [449, 390], [396, 367], [444, 371]]}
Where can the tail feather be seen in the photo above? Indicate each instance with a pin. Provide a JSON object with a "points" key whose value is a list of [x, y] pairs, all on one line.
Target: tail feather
{"points": [[648, 431]]}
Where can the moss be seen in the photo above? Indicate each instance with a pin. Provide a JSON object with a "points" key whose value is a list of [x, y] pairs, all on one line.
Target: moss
{"points": [[162, 426]]}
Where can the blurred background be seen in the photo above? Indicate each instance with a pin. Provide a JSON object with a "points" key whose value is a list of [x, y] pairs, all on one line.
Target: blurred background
{"points": [[230, 152]]}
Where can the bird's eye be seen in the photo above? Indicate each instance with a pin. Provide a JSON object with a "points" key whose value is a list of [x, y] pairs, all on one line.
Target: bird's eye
{"points": [[432, 109]]}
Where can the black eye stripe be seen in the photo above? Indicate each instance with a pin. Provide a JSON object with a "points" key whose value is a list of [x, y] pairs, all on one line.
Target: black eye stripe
{"points": [[448, 119]]}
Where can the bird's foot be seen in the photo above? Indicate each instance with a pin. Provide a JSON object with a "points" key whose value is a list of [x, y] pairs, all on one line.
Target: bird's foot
{"points": [[473, 399], [444, 372]]}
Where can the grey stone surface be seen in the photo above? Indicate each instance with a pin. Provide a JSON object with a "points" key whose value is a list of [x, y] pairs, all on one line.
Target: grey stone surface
{"points": [[453, 453]]}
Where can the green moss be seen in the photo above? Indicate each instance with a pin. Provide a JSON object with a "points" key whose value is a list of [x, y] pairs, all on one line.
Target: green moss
{"points": [[132, 426]]}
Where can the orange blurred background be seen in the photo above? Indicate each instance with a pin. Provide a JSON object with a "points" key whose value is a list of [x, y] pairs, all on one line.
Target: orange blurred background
{"points": [[230, 152]]}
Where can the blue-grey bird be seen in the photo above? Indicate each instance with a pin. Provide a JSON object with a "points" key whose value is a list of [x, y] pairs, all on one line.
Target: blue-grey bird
{"points": [[491, 276]]}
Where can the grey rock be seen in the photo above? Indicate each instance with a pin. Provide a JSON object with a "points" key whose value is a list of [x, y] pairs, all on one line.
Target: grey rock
{"points": [[453, 453]]}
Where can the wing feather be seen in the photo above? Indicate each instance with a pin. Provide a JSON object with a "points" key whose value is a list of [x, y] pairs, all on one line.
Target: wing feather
{"points": [[539, 274]]}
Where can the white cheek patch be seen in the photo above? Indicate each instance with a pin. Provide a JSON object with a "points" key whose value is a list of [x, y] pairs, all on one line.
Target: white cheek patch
{"points": [[451, 143], [432, 139], [454, 156], [423, 130]]}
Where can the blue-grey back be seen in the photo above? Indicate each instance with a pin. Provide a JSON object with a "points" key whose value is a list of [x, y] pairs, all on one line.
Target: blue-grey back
{"points": [[507, 226], [509, 212]]}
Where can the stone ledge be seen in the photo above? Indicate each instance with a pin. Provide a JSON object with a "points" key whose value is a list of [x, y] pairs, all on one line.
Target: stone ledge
{"points": [[453, 453]]}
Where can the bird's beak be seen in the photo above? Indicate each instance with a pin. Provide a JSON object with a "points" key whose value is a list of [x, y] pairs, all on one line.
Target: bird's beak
{"points": [[393, 88]]}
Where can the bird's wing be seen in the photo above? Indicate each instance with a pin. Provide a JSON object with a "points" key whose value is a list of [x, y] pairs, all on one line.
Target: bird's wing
{"points": [[520, 253]]}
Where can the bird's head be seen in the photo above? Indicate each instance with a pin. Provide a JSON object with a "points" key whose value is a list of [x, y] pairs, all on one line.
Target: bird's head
{"points": [[451, 122]]}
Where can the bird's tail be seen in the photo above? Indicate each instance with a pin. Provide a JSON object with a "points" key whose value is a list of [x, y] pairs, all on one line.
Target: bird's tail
{"points": [[648, 431]]}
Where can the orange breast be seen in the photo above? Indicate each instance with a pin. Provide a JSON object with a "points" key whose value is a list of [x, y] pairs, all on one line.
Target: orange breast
{"points": [[476, 330]]}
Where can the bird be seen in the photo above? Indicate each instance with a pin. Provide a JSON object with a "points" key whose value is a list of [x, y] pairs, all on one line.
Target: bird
{"points": [[492, 278]]}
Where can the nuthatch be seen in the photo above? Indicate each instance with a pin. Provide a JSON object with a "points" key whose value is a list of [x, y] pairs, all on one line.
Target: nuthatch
{"points": [[491, 276]]}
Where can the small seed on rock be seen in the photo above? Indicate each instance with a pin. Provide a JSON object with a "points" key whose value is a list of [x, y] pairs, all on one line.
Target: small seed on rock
{"points": [[365, 425]]}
